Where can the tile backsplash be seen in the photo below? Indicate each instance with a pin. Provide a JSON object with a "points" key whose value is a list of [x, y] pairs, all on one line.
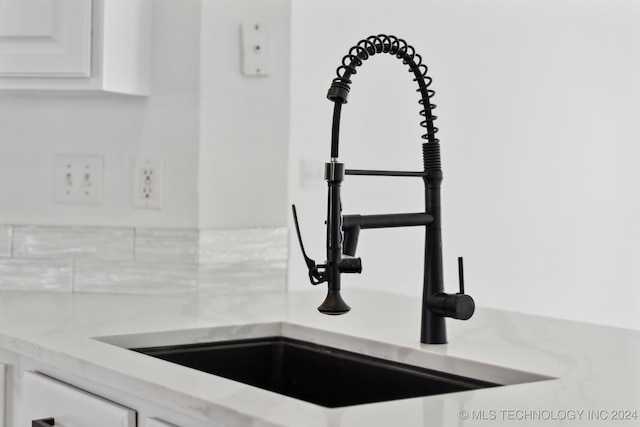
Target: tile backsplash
{"points": [[142, 260], [5, 241], [108, 244]]}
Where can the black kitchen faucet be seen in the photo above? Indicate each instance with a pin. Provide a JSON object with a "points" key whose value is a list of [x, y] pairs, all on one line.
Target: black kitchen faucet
{"points": [[343, 230]]}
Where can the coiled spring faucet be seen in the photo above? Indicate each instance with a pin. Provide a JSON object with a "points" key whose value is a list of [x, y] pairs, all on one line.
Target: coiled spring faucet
{"points": [[343, 230]]}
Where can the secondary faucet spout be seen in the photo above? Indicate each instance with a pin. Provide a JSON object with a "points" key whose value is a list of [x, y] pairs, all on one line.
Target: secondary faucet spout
{"points": [[343, 230]]}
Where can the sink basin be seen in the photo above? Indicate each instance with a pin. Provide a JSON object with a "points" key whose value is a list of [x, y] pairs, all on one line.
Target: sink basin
{"points": [[318, 366], [315, 373]]}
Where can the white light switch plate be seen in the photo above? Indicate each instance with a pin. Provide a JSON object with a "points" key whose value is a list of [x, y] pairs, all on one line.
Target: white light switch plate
{"points": [[78, 180]]}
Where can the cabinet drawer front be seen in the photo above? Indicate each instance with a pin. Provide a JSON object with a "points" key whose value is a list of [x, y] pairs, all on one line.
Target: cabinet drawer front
{"points": [[45, 397]]}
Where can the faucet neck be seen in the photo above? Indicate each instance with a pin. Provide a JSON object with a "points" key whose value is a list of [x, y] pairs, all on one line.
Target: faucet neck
{"points": [[364, 49], [432, 327]]}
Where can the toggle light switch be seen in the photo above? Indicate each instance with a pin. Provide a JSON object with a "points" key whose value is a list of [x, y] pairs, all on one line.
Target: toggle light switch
{"points": [[78, 180]]}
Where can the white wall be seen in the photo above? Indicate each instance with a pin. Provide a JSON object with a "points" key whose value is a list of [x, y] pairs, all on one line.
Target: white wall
{"points": [[223, 137], [35, 128], [244, 125], [538, 105]]}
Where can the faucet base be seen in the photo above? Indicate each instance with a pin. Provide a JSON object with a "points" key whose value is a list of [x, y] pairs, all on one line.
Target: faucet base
{"points": [[334, 304], [433, 330]]}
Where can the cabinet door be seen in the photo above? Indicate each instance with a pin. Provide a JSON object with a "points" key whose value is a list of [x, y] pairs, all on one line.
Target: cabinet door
{"points": [[45, 397], [75, 45], [45, 38]]}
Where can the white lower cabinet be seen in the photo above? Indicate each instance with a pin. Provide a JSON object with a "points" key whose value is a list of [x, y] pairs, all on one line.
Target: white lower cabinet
{"points": [[45, 398], [34, 391]]}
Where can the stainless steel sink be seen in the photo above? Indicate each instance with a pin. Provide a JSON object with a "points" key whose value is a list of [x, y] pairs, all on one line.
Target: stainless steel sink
{"points": [[315, 373]]}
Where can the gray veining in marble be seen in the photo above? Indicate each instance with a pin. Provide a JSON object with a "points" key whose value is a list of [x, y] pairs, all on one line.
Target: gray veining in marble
{"points": [[36, 274], [113, 244]]}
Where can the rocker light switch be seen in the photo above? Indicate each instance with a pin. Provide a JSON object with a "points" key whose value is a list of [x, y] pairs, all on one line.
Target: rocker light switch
{"points": [[256, 52]]}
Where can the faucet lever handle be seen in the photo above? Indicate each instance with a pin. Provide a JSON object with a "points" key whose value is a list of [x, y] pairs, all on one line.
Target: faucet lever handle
{"points": [[315, 276], [458, 306], [461, 275]]}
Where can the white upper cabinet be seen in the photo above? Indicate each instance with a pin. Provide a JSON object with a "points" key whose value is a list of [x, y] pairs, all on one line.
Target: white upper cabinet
{"points": [[90, 45]]}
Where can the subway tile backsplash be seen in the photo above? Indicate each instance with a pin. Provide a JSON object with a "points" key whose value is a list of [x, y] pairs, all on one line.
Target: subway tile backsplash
{"points": [[142, 260], [170, 245], [113, 244], [243, 260], [5, 241], [36, 274], [262, 245], [135, 277]]}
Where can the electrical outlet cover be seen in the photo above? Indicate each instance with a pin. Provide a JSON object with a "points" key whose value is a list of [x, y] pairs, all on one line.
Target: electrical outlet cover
{"points": [[147, 185], [78, 180]]}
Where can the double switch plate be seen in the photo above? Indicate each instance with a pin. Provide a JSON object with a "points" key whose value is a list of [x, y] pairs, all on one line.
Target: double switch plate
{"points": [[78, 180]]}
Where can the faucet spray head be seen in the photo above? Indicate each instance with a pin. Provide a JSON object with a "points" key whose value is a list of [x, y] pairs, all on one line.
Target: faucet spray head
{"points": [[334, 304]]}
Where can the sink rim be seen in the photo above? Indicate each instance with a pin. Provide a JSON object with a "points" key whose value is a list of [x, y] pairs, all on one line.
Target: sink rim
{"points": [[421, 356]]}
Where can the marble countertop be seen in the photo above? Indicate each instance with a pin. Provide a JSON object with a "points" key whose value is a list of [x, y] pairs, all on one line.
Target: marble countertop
{"points": [[595, 369]]}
